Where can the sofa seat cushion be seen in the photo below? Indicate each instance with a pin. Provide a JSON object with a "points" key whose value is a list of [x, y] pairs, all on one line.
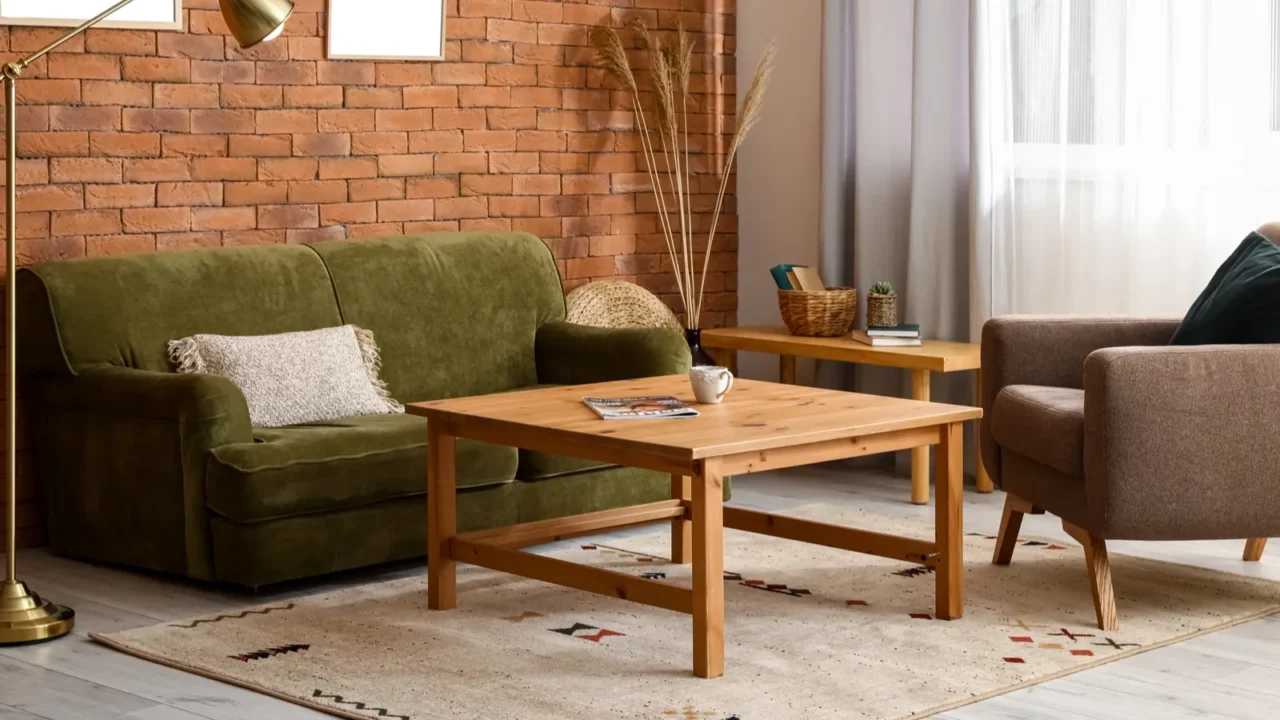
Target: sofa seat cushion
{"points": [[337, 465], [536, 465], [1043, 423]]}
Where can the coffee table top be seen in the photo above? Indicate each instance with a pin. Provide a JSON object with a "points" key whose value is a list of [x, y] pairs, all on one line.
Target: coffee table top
{"points": [[936, 355], [754, 416]]}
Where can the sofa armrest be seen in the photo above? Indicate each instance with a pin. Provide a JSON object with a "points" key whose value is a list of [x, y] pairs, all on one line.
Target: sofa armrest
{"points": [[122, 453], [1050, 350], [1179, 441], [573, 354]]}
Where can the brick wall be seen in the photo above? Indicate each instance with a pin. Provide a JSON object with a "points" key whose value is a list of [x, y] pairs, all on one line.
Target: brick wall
{"points": [[138, 141]]}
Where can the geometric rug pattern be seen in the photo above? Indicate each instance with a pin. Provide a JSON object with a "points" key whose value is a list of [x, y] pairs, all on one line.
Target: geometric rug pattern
{"points": [[810, 633]]}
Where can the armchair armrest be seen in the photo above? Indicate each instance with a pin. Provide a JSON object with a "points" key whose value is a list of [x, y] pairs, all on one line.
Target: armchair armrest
{"points": [[1179, 441], [1050, 350], [573, 354], [120, 448]]}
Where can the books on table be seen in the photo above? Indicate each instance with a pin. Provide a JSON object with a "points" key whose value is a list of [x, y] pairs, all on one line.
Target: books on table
{"points": [[637, 408], [882, 341], [904, 330], [796, 277]]}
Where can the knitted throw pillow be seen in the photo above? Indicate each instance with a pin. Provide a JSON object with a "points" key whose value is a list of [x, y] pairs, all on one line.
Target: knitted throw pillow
{"points": [[294, 378]]}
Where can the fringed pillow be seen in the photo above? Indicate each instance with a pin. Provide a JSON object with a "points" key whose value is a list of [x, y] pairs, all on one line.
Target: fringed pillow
{"points": [[294, 378]]}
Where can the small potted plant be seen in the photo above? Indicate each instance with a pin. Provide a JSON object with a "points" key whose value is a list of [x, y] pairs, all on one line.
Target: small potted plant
{"points": [[882, 306]]}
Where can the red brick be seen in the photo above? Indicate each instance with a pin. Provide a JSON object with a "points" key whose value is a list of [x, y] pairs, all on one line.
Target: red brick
{"points": [[262, 52], [322, 144], [512, 118], [404, 165], [224, 168], [447, 73], [431, 187], [535, 97], [481, 96], [206, 22], [462, 162], [222, 121], [120, 42], [399, 74], [317, 191], [554, 34], [234, 238], [312, 235], [585, 184], [186, 194], [53, 144], [484, 8], [402, 120], [435, 141], [564, 162], [255, 193], [43, 198], [513, 206], [513, 162], [375, 230], [84, 118], [531, 53], [288, 216], [461, 207], [485, 225], [99, 67], [94, 170], [287, 73], [313, 97], [260, 145], [537, 11], [288, 169], [535, 185], [103, 245], [384, 97], [403, 210], [187, 240], [346, 120], [540, 227], [148, 120], [377, 189], [459, 119], [346, 168], [586, 15], [111, 92], [222, 71], [238, 218], [119, 196], [157, 69], [181, 145], [540, 140], [512, 30], [514, 76], [430, 96], [149, 220], [379, 143], [348, 212], [589, 267], [484, 184], [38, 91], [477, 140], [157, 169], [85, 222], [286, 121], [185, 45], [251, 96], [485, 52], [186, 95], [345, 72]]}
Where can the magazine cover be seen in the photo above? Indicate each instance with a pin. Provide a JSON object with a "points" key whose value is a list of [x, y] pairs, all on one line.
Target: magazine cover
{"points": [[630, 408]]}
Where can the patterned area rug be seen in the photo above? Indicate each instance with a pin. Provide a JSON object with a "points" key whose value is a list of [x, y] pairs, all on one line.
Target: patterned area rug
{"points": [[810, 633]]}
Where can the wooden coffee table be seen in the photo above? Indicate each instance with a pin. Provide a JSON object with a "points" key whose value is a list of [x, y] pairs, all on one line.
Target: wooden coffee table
{"points": [[933, 356], [759, 426]]}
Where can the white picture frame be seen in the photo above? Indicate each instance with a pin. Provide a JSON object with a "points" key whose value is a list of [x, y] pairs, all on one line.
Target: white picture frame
{"points": [[385, 30], [138, 15]]}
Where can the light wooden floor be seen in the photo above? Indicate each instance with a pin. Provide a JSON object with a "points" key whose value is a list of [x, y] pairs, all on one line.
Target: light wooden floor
{"points": [[1231, 674]]}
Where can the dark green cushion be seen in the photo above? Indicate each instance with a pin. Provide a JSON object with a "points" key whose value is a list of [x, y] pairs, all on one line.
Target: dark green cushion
{"points": [[339, 464], [123, 310], [455, 314], [1242, 301]]}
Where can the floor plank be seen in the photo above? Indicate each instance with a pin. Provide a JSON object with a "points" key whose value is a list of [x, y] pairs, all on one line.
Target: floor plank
{"points": [[1230, 674]]}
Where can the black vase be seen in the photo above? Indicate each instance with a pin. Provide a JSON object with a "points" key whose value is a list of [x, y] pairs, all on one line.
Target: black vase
{"points": [[700, 356]]}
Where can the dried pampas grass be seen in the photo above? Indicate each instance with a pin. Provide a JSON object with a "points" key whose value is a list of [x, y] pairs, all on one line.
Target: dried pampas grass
{"points": [[672, 181]]}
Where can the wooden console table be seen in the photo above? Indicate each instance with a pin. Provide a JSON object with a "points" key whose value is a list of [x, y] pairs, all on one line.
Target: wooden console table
{"points": [[933, 356]]}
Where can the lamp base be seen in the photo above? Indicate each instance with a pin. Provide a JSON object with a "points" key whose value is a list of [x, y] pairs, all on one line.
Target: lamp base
{"points": [[26, 618]]}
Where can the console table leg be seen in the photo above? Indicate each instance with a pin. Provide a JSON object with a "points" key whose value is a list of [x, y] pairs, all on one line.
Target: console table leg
{"points": [[681, 527], [920, 455], [787, 369], [949, 522], [442, 521], [708, 571]]}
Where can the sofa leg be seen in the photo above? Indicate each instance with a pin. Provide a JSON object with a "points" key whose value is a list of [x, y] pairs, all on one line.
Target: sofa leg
{"points": [[1099, 566], [1253, 549], [1010, 523]]}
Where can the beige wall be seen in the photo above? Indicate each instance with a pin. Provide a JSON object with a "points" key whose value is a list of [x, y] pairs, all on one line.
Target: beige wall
{"points": [[779, 172]]}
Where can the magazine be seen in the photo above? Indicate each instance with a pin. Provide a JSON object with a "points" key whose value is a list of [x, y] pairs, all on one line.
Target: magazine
{"points": [[632, 408]]}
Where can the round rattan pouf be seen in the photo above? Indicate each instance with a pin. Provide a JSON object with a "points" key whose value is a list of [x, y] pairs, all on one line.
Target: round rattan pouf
{"points": [[617, 304]]}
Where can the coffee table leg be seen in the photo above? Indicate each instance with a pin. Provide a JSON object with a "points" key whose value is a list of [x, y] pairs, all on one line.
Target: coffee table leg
{"points": [[949, 522], [708, 571], [442, 522], [920, 455], [681, 527]]}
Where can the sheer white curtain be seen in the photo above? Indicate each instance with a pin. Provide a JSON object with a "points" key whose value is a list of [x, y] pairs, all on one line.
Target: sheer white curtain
{"points": [[1119, 149]]}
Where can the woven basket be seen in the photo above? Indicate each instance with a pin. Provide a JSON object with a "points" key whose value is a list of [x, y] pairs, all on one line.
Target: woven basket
{"points": [[882, 310], [617, 304], [825, 313]]}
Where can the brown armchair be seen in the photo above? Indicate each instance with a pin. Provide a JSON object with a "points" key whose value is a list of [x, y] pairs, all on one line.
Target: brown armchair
{"points": [[1103, 424]]}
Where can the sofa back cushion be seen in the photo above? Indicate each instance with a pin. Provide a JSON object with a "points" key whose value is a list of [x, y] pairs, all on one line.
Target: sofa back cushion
{"points": [[454, 313], [123, 310]]}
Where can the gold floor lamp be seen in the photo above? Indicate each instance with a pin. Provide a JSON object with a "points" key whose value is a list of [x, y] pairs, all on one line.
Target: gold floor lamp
{"points": [[24, 616]]}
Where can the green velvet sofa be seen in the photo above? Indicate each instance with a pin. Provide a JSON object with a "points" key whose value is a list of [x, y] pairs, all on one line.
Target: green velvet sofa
{"points": [[144, 467]]}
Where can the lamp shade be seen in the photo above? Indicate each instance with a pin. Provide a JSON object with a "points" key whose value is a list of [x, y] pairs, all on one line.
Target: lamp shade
{"points": [[252, 21]]}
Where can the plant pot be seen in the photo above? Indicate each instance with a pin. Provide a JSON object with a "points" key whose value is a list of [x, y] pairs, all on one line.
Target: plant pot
{"points": [[882, 310], [699, 355]]}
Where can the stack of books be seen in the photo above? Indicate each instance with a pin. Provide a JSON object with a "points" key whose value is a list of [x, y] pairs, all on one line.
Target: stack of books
{"points": [[896, 336]]}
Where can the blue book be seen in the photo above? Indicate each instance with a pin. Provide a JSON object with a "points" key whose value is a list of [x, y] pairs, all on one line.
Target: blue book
{"points": [[779, 273]]}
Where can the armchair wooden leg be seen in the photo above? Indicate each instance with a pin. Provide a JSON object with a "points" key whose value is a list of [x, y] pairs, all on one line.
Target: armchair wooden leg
{"points": [[1095, 558], [1253, 549], [1014, 508]]}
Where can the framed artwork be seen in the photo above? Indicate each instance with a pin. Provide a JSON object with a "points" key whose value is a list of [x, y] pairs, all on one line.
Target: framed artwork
{"points": [[138, 15], [385, 29]]}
